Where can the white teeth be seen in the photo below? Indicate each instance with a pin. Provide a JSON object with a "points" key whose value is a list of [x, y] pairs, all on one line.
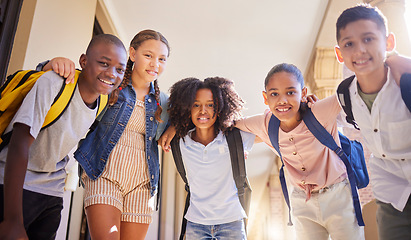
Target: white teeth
{"points": [[203, 118], [282, 109], [361, 62], [106, 82]]}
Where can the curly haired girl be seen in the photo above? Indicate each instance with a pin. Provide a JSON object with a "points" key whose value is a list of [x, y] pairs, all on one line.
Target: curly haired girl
{"points": [[202, 112]]}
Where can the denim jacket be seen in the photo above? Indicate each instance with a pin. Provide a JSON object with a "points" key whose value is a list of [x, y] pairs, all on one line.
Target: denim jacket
{"points": [[93, 152]]}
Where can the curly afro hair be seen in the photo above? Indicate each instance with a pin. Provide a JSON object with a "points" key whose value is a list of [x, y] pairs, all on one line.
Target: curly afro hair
{"points": [[227, 103]]}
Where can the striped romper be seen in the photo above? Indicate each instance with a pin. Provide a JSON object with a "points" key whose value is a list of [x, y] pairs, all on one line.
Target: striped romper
{"points": [[125, 183]]}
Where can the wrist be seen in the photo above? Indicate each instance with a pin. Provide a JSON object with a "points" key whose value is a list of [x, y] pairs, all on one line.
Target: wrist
{"points": [[41, 65]]}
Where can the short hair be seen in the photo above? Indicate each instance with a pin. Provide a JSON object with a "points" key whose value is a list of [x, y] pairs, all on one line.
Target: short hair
{"points": [[285, 67], [105, 38], [361, 12], [227, 103]]}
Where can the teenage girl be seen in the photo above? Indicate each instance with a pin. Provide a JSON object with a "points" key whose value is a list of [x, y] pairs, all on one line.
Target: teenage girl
{"points": [[202, 112], [321, 199], [120, 157]]}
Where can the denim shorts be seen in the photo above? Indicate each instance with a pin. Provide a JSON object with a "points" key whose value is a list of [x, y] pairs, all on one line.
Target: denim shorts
{"points": [[226, 231], [41, 214]]}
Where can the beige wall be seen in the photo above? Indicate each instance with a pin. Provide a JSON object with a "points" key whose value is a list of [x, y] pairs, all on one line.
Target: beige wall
{"points": [[58, 28]]}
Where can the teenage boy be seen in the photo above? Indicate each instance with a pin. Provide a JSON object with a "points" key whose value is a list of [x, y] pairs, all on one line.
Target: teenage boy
{"points": [[32, 166], [381, 115]]}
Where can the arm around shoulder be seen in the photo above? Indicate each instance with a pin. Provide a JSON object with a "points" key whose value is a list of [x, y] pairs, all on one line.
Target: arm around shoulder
{"points": [[62, 66], [398, 66], [253, 124]]}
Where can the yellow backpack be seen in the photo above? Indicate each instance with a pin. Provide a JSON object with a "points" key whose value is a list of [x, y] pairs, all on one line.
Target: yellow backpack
{"points": [[16, 87]]}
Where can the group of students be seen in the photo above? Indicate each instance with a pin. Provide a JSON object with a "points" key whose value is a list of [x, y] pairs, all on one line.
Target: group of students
{"points": [[119, 156]]}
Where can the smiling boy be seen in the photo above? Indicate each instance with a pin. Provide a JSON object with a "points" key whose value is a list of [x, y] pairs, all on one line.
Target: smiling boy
{"points": [[32, 166], [381, 115]]}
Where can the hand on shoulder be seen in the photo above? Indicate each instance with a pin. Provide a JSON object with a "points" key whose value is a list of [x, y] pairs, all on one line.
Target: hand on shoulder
{"points": [[311, 99], [166, 138], [62, 66], [398, 66]]}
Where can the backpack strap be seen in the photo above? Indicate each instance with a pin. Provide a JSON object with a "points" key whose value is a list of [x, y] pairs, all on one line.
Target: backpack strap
{"points": [[273, 127], [102, 105], [235, 146], [59, 105], [236, 149], [343, 94], [327, 140], [178, 160], [61, 102], [405, 86], [63, 98]]}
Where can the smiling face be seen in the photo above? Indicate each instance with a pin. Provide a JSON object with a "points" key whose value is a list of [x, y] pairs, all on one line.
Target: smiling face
{"points": [[202, 111], [362, 47], [149, 59], [283, 95], [102, 69]]}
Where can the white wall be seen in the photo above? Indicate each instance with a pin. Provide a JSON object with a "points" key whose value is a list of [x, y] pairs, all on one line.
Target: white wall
{"points": [[59, 28]]}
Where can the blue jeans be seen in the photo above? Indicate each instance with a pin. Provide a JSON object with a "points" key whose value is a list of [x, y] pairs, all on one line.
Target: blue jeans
{"points": [[227, 231], [41, 214], [393, 224]]}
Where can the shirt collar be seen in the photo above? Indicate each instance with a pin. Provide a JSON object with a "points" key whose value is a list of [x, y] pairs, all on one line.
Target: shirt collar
{"points": [[189, 141], [390, 78], [152, 91]]}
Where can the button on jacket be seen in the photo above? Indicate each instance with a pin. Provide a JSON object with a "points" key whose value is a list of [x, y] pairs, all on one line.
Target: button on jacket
{"points": [[95, 149]]}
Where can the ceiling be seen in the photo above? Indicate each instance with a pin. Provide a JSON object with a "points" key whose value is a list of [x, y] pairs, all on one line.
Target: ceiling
{"points": [[240, 40]]}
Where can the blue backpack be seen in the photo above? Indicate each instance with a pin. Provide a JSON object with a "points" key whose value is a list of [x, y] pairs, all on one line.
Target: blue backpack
{"points": [[351, 153]]}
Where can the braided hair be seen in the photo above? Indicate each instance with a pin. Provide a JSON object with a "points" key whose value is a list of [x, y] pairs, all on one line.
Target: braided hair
{"points": [[227, 103], [136, 42]]}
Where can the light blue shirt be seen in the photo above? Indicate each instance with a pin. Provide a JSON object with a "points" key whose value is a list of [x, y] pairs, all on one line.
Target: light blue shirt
{"points": [[213, 198]]}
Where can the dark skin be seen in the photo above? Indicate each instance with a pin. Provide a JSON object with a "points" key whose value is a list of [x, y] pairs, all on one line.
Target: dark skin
{"points": [[104, 64], [16, 166]]}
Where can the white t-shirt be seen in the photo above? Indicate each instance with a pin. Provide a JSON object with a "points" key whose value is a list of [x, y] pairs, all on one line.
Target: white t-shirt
{"points": [[213, 198], [46, 166]]}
